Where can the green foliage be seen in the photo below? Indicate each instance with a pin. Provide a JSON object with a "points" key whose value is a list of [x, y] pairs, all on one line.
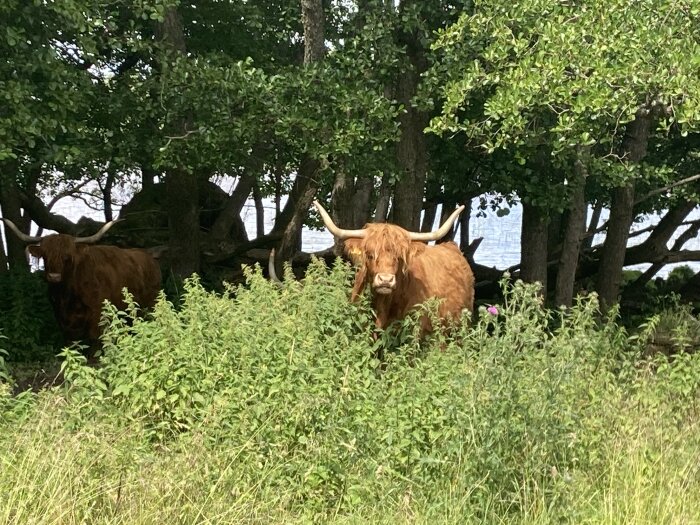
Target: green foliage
{"points": [[4, 372], [268, 401], [171, 369], [540, 84], [530, 57], [26, 318]]}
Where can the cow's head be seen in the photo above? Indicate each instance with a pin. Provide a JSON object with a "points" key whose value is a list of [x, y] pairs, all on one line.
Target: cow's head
{"points": [[382, 256], [59, 251], [383, 252]]}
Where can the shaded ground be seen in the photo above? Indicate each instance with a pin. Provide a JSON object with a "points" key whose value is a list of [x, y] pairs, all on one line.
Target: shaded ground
{"points": [[36, 375]]}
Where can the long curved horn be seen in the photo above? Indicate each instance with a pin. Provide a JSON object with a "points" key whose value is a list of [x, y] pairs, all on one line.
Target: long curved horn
{"points": [[99, 234], [339, 233], [271, 268], [439, 233], [22, 236]]}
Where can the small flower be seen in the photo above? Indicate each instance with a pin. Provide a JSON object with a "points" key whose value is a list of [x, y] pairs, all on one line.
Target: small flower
{"points": [[492, 310]]}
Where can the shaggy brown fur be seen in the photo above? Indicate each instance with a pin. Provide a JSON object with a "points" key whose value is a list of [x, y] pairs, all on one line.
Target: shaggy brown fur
{"points": [[420, 271], [82, 276]]}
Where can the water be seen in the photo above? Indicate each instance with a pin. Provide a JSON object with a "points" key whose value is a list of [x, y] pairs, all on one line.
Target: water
{"points": [[500, 247]]}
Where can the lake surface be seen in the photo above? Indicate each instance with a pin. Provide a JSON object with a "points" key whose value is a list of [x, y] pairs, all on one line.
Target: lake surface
{"points": [[500, 247]]}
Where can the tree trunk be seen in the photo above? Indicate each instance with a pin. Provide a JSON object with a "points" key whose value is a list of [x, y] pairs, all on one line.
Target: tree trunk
{"points": [[182, 206], [533, 245], [341, 199], [306, 182], [360, 201], [181, 188], [464, 220], [312, 18], [382, 210], [573, 234], [592, 226], [291, 220], [3, 255], [555, 233], [278, 193], [429, 217], [656, 245], [613, 255], [11, 209], [612, 260], [221, 229], [259, 211], [107, 195], [46, 219], [411, 150], [342, 210], [148, 176], [690, 233]]}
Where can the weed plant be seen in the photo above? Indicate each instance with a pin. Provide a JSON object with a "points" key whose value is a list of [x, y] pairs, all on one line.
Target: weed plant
{"points": [[26, 317], [267, 405]]}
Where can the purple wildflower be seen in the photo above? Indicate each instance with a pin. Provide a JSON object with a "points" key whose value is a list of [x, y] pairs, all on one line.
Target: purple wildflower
{"points": [[492, 310]]}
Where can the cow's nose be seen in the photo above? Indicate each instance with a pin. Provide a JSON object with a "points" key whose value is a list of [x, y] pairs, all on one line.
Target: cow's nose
{"points": [[53, 277], [384, 280]]}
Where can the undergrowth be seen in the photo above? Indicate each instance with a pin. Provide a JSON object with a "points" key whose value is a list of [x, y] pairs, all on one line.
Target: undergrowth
{"points": [[26, 317], [266, 404]]}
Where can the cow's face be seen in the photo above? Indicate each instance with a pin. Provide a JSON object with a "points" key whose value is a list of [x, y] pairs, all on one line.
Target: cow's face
{"points": [[383, 257], [58, 252]]}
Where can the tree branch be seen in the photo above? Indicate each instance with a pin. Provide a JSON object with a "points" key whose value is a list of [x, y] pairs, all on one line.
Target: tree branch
{"points": [[53, 221], [666, 188]]}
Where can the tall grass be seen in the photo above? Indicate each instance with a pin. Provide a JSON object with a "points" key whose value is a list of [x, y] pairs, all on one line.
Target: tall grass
{"points": [[266, 405]]}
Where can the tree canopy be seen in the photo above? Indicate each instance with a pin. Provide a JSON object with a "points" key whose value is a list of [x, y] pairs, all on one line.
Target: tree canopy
{"points": [[562, 106]]}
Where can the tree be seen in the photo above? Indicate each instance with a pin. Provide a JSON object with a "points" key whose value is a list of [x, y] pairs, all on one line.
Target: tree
{"points": [[520, 76], [307, 179]]}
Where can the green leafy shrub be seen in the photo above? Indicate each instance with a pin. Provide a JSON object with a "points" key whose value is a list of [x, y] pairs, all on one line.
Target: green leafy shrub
{"points": [[4, 372], [26, 317], [267, 403]]}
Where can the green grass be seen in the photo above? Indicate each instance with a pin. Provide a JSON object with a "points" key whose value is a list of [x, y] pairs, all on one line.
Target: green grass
{"points": [[266, 406]]}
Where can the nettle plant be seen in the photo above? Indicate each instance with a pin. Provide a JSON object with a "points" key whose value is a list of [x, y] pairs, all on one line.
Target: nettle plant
{"points": [[4, 373], [521, 400], [214, 349]]}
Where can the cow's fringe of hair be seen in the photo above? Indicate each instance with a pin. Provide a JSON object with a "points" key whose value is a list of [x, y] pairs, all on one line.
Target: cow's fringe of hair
{"points": [[383, 238]]}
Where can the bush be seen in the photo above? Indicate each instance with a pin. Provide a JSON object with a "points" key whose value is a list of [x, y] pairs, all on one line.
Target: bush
{"points": [[266, 404], [26, 317], [4, 372]]}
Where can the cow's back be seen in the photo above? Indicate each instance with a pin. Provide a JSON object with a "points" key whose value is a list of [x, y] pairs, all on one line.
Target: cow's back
{"points": [[104, 270], [441, 271]]}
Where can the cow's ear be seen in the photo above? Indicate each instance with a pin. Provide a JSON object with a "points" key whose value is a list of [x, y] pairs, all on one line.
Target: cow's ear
{"points": [[353, 250], [35, 251], [359, 286], [416, 248]]}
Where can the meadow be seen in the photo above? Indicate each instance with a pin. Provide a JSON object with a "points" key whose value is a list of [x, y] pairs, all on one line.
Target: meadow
{"points": [[266, 405]]}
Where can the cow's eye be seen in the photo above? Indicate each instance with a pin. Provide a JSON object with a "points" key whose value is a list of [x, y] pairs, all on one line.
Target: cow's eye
{"points": [[370, 257]]}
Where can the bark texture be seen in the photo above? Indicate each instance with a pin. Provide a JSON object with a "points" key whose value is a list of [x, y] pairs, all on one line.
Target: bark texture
{"points": [[621, 215], [259, 211], [382, 209], [573, 234], [411, 150], [231, 213], [533, 242], [291, 218], [11, 205], [181, 188]]}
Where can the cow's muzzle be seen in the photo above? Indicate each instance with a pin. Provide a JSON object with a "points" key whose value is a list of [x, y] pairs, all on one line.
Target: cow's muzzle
{"points": [[53, 277], [384, 283]]}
